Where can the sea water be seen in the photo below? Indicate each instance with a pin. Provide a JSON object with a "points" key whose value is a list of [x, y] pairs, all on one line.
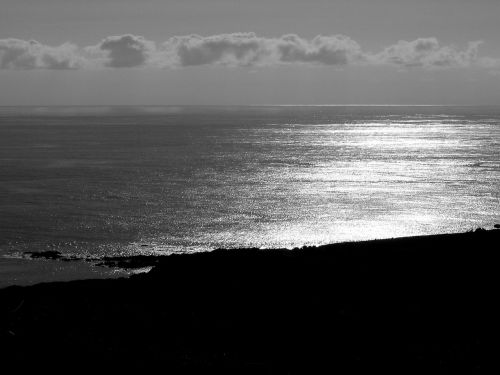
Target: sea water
{"points": [[97, 181]]}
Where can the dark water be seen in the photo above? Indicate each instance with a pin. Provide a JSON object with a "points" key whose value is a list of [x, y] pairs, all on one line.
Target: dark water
{"points": [[100, 180]]}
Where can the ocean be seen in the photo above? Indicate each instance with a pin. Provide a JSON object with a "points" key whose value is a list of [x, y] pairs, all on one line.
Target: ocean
{"points": [[100, 181]]}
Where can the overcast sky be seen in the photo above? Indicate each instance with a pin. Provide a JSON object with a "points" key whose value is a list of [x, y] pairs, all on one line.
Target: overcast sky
{"points": [[249, 52]]}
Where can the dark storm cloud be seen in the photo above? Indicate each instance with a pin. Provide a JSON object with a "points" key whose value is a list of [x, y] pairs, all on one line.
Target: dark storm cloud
{"points": [[238, 49]]}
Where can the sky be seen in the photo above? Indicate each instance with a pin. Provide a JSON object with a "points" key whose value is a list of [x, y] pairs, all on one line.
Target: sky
{"points": [[189, 52]]}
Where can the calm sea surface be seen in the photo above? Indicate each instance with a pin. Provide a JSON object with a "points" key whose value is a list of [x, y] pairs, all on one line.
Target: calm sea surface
{"points": [[132, 180]]}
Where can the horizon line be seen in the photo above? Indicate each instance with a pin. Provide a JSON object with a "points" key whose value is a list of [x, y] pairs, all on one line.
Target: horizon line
{"points": [[246, 105]]}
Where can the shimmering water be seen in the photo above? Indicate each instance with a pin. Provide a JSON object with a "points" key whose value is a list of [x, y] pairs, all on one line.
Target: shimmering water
{"points": [[100, 180]]}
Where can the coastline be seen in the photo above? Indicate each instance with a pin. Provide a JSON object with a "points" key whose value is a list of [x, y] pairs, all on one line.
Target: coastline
{"points": [[406, 305], [27, 271]]}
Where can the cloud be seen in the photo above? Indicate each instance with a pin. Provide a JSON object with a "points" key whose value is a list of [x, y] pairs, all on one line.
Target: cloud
{"points": [[227, 49], [427, 53], [488, 63], [238, 49], [324, 50], [247, 49], [124, 51], [21, 54]]}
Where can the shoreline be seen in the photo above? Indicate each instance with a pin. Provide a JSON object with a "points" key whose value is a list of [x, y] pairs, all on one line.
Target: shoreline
{"points": [[406, 305], [51, 262]]}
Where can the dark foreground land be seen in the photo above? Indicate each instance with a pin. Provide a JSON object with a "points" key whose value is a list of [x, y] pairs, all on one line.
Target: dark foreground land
{"points": [[406, 306]]}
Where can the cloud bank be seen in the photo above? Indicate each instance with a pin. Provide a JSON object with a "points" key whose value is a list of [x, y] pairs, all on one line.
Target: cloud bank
{"points": [[124, 51], [247, 49], [427, 52], [238, 49], [21, 54]]}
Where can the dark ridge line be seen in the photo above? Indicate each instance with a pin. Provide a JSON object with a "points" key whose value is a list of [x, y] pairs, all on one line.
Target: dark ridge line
{"points": [[143, 261]]}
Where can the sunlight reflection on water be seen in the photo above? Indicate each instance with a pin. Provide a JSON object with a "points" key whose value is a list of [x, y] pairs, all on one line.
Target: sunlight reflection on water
{"points": [[191, 179]]}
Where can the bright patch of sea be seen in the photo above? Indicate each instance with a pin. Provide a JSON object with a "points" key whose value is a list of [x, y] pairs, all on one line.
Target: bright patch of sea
{"points": [[94, 181]]}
